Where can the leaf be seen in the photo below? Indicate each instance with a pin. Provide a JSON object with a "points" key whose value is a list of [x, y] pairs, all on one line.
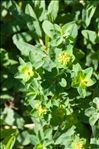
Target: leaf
{"points": [[24, 47], [94, 141], [34, 139], [10, 143], [79, 53], [35, 23], [40, 11], [9, 116], [76, 68], [63, 82], [89, 35], [6, 97], [82, 92], [37, 58], [65, 136], [87, 14], [48, 64], [24, 138], [53, 8], [22, 62], [96, 101], [88, 72], [91, 82], [48, 28], [42, 6], [93, 112], [25, 36], [48, 133], [6, 134], [70, 29]]}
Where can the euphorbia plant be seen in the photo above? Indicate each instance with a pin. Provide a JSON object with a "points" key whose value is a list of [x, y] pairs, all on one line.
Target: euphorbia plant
{"points": [[56, 83]]}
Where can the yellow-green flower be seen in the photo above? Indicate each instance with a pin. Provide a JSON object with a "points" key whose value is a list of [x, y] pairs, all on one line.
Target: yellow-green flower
{"points": [[78, 143], [63, 58], [20, 4], [82, 79], [78, 146], [83, 82], [26, 71], [40, 110], [39, 146]]}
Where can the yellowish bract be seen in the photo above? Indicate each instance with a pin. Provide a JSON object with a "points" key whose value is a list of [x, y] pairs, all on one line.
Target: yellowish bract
{"points": [[26, 71], [83, 82]]}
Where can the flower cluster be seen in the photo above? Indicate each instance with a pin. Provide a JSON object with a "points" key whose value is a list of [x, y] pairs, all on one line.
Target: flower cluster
{"points": [[40, 110], [64, 58], [78, 143], [26, 71], [82, 79]]}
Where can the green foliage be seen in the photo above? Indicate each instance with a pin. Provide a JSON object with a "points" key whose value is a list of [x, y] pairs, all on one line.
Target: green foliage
{"points": [[49, 74]]}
